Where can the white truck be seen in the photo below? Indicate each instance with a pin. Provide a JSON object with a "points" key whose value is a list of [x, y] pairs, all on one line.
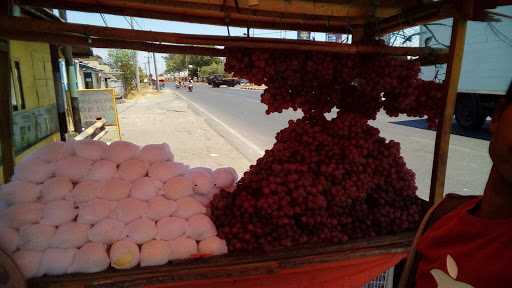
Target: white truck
{"points": [[486, 66]]}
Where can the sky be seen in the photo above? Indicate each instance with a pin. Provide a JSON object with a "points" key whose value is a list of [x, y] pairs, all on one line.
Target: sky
{"points": [[170, 26]]}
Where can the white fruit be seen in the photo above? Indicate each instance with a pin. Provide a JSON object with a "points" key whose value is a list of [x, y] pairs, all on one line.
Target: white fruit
{"points": [[182, 248], [141, 230], [170, 228], [36, 236], [107, 231], [124, 254], [178, 187], [91, 258], [155, 252]]}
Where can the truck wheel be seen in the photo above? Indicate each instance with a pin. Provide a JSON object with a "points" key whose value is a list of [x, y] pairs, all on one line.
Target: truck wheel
{"points": [[468, 112]]}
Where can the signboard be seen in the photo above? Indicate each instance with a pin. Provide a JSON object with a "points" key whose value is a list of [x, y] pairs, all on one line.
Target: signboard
{"points": [[32, 126], [96, 103]]}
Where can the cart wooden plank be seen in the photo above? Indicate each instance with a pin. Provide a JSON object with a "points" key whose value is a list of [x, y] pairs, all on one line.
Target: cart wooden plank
{"points": [[236, 265]]}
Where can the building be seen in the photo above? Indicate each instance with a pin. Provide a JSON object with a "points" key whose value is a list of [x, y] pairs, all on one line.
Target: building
{"points": [[303, 35], [39, 109], [93, 73], [338, 38]]}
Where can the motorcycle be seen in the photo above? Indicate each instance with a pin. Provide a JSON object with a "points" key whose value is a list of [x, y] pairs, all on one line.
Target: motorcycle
{"points": [[190, 87]]}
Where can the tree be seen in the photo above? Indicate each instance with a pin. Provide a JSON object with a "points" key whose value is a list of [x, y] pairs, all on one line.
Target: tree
{"points": [[124, 61], [180, 62], [212, 69], [142, 75]]}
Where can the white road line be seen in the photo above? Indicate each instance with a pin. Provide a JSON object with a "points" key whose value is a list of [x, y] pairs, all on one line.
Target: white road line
{"points": [[225, 126]]}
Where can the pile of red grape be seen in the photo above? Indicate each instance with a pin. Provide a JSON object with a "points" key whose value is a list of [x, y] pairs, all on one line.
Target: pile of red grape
{"points": [[317, 82], [326, 181]]}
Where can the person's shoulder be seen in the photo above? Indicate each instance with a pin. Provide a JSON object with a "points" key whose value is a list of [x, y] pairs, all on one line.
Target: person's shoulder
{"points": [[450, 203]]}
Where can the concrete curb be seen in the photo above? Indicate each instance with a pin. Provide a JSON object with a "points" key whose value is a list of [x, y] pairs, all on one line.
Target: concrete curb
{"points": [[249, 150], [253, 88]]}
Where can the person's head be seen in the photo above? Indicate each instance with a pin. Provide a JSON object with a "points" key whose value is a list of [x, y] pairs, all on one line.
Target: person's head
{"points": [[500, 148]]}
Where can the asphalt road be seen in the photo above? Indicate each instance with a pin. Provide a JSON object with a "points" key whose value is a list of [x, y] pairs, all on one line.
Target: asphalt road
{"points": [[241, 110]]}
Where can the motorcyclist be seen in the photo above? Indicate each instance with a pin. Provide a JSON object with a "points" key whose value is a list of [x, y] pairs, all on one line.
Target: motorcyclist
{"points": [[190, 84]]}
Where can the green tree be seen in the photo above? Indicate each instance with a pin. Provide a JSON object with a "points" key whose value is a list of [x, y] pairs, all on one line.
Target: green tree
{"points": [[180, 62], [124, 61], [212, 69], [142, 74]]}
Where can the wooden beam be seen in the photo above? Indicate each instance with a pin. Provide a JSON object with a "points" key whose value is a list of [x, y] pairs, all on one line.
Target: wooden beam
{"points": [[145, 10], [303, 15], [27, 24], [74, 40], [92, 130], [444, 127], [415, 16], [297, 7], [25, 28]]}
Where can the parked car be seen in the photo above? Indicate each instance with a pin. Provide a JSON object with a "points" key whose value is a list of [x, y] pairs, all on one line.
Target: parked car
{"points": [[218, 80]]}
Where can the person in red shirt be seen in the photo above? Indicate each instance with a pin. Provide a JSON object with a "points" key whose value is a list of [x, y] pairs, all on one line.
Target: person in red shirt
{"points": [[467, 241]]}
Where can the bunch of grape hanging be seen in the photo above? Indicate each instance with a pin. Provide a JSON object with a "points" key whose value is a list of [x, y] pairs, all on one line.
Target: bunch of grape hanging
{"points": [[317, 82], [326, 181]]}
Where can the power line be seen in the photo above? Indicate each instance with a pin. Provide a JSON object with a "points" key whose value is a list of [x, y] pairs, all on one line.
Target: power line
{"points": [[434, 36], [499, 14], [137, 22], [128, 21], [500, 35], [104, 19]]}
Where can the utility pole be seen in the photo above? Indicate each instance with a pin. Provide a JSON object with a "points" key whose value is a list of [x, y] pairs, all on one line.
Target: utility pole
{"points": [[137, 76], [149, 69], [72, 82], [186, 65], [156, 73], [149, 63]]}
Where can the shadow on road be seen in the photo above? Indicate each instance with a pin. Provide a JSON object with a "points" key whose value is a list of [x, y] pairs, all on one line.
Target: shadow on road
{"points": [[482, 133]]}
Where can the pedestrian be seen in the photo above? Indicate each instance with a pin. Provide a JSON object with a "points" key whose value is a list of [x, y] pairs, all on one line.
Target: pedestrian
{"points": [[466, 241]]}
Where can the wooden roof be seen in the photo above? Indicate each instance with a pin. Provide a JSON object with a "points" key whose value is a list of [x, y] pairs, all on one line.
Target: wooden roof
{"points": [[362, 18], [342, 16]]}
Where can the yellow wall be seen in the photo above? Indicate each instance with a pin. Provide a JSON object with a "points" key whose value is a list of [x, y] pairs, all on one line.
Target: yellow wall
{"points": [[36, 72], [37, 81]]}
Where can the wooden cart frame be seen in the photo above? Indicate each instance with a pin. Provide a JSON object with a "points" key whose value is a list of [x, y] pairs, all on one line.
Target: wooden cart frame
{"points": [[364, 19]]}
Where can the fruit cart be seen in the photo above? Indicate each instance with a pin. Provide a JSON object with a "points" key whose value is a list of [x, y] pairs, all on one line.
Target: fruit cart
{"points": [[347, 265], [325, 266]]}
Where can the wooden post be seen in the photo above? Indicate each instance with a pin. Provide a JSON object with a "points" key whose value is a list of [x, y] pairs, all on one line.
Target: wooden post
{"points": [[72, 82], [60, 96], [444, 127], [6, 132]]}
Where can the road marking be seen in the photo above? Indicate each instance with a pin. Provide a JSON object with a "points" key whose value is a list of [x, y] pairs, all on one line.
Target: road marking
{"points": [[225, 126]]}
